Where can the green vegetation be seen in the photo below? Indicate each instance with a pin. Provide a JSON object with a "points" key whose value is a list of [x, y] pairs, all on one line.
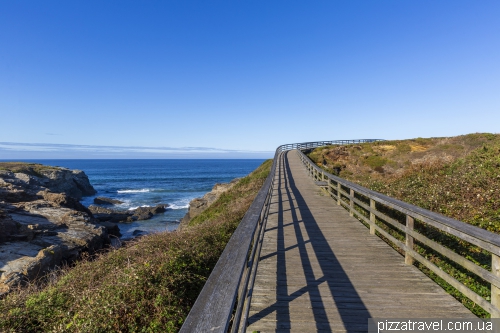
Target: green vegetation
{"points": [[375, 162], [458, 177], [147, 286]]}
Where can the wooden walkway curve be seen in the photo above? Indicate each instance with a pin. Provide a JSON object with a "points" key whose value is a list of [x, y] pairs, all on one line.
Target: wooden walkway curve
{"points": [[321, 270]]}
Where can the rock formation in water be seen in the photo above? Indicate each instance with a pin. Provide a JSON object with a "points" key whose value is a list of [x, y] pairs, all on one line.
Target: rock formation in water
{"points": [[105, 214], [106, 201]]}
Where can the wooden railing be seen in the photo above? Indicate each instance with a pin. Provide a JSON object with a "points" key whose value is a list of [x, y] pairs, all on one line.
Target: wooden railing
{"points": [[224, 301], [362, 203]]}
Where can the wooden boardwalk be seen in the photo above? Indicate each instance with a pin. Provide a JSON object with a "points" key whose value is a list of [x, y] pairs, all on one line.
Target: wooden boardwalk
{"points": [[321, 270]]}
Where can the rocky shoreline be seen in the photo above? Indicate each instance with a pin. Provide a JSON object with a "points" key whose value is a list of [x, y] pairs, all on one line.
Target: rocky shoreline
{"points": [[44, 225]]}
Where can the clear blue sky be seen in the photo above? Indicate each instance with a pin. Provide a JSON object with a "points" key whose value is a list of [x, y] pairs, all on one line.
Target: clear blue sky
{"points": [[241, 76]]}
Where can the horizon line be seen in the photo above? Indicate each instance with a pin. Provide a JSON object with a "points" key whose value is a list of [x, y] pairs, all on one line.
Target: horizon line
{"points": [[26, 151]]}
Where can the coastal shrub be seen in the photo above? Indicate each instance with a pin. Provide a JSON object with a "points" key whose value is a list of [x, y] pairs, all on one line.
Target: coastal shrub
{"points": [[149, 285], [375, 161]]}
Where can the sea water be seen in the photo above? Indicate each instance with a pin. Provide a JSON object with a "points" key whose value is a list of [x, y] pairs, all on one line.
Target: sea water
{"points": [[150, 182]]}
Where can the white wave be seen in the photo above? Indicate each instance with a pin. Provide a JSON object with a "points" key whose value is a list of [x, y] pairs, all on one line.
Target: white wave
{"points": [[132, 208], [143, 190], [180, 204], [174, 206]]}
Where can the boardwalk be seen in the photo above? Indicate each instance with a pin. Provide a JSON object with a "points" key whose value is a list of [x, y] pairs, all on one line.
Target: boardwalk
{"points": [[320, 270]]}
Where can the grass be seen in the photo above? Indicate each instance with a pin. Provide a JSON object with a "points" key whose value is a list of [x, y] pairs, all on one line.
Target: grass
{"points": [[147, 286], [458, 177]]}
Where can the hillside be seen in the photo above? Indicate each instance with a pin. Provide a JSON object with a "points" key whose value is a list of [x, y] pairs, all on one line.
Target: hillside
{"points": [[458, 177]]}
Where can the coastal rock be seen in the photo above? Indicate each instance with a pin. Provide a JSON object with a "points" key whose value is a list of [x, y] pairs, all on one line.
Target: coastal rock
{"points": [[31, 178], [112, 228], [63, 200], [8, 228], [198, 205], [138, 232], [106, 201], [151, 210], [73, 183], [42, 223], [114, 215]]}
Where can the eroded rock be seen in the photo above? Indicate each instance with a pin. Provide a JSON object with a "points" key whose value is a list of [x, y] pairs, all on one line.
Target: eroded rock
{"points": [[106, 201], [114, 215]]}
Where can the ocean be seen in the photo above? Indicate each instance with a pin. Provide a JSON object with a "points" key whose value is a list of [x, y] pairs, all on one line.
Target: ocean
{"points": [[150, 182]]}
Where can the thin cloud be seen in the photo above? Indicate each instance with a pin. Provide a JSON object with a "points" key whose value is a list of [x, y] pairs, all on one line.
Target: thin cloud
{"points": [[15, 149]]}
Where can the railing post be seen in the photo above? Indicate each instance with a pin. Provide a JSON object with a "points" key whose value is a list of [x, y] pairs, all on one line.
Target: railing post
{"points": [[372, 217], [351, 202], [409, 240], [338, 193], [495, 291]]}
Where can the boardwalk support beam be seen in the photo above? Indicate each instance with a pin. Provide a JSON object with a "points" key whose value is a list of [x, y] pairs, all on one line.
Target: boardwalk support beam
{"points": [[409, 240], [372, 217], [351, 202], [495, 291]]}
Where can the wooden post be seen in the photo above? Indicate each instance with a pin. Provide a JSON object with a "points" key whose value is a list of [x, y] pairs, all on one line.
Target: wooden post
{"points": [[338, 193], [495, 291], [351, 202], [409, 240], [372, 217]]}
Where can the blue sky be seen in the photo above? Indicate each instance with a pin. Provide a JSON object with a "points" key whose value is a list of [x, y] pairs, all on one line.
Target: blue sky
{"points": [[239, 78]]}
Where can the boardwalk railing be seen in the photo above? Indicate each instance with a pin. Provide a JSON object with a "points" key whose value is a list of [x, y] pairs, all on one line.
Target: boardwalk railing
{"points": [[224, 300], [223, 303], [362, 202]]}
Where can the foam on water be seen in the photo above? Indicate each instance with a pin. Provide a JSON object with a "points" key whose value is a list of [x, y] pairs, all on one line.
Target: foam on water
{"points": [[132, 208], [143, 190], [180, 204], [174, 206]]}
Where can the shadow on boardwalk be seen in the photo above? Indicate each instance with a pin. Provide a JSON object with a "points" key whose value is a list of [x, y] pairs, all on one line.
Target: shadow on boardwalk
{"points": [[350, 307]]}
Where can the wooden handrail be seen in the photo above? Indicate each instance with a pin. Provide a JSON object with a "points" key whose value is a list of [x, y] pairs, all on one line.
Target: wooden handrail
{"points": [[224, 299], [482, 238]]}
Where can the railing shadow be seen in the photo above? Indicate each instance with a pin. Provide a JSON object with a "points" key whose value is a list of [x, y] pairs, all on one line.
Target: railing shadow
{"points": [[353, 312]]}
